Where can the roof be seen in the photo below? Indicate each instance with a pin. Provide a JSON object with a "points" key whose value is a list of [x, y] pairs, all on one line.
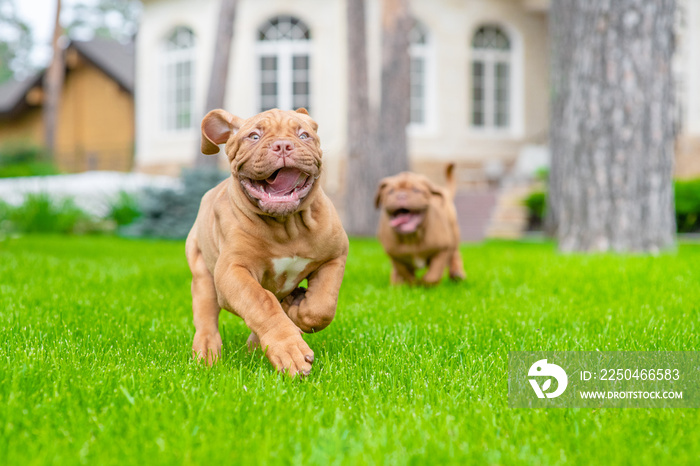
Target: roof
{"points": [[115, 59], [12, 93]]}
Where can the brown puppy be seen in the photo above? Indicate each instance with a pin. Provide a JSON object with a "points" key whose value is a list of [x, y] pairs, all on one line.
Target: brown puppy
{"points": [[418, 227], [260, 233]]}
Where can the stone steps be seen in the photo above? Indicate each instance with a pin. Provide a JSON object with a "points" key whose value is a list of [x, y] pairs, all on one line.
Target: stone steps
{"points": [[510, 216]]}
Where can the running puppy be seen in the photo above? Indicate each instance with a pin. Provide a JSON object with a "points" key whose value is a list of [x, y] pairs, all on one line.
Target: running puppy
{"points": [[418, 227], [261, 232]]}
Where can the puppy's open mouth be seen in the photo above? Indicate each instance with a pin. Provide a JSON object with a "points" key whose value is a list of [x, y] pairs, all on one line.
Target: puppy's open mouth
{"points": [[281, 192], [406, 221]]}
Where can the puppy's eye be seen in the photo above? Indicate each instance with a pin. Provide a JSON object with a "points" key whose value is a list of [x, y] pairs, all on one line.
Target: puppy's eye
{"points": [[254, 136], [304, 136], [415, 190]]}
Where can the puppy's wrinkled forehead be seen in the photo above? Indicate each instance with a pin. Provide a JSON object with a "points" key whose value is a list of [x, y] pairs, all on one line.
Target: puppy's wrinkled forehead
{"points": [[277, 122], [407, 182]]}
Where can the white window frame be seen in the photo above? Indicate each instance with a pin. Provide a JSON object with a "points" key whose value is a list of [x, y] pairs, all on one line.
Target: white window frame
{"points": [[426, 53], [169, 59], [490, 58], [284, 51]]}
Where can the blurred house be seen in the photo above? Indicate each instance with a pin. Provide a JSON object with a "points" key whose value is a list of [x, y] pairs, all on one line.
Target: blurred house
{"points": [[479, 78], [479, 82], [96, 115]]}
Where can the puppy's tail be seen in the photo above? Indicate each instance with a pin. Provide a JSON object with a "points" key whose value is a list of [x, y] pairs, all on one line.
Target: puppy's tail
{"points": [[451, 181]]}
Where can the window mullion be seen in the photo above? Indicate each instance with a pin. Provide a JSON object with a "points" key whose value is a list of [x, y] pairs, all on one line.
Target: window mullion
{"points": [[488, 90], [284, 76]]}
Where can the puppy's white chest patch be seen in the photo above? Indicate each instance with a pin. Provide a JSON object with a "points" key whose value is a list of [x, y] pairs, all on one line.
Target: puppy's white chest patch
{"points": [[290, 268], [419, 262]]}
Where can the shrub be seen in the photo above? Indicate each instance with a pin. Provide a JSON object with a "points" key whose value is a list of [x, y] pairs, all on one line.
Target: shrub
{"points": [[14, 153], [687, 195], [40, 214], [170, 213], [124, 210], [22, 159], [536, 204]]}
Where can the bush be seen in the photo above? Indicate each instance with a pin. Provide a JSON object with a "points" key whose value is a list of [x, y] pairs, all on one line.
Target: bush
{"points": [[687, 205], [170, 213], [536, 204], [15, 153], [124, 210], [21, 159], [40, 214]]}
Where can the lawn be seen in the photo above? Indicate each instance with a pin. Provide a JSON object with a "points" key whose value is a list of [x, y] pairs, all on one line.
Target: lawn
{"points": [[95, 336]]}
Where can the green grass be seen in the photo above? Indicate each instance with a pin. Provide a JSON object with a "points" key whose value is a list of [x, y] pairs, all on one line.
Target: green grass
{"points": [[95, 338]]}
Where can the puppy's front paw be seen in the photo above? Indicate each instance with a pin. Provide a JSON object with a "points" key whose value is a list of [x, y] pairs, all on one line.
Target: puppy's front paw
{"points": [[288, 352], [430, 281], [206, 347]]}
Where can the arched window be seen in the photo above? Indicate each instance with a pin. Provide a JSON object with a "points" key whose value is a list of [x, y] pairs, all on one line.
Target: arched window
{"points": [[491, 78], [178, 58], [419, 52], [284, 50]]}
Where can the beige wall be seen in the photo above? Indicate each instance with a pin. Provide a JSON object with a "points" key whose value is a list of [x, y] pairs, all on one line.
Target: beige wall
{"points": [[688, 147]]}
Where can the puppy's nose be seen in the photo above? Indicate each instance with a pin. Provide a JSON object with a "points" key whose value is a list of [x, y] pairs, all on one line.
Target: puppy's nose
{"points": [[401, 196], [282, 147]]}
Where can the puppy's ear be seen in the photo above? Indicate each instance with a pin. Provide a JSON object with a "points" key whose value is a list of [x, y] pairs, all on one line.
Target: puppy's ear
{"points": [[380, 192], [217, 127], [303, 111], [433, 188]]}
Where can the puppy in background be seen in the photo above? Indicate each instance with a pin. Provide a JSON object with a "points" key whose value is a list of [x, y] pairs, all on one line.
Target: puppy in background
{"points": [[418, 227]]}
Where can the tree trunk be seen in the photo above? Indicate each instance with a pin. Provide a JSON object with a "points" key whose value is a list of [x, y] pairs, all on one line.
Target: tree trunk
{"points": [[53, 84], [394, 110], [377, 145], [561, 22], [216, 93], [360, 215], [613, 129]]}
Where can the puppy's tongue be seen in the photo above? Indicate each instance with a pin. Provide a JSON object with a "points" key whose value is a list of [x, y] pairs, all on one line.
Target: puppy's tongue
{"points": [[284, 180], [406, 223]]}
